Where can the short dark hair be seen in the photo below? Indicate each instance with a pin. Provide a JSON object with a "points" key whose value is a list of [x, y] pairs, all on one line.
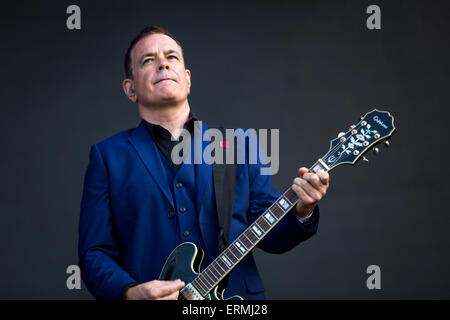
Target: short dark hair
{"points": [[142, 34]]}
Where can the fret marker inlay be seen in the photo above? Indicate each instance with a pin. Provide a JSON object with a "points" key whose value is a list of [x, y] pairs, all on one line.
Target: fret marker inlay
{"points": [[283, 204]]}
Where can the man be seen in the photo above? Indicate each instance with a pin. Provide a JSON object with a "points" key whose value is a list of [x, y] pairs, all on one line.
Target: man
{"points": [[138, 205]]}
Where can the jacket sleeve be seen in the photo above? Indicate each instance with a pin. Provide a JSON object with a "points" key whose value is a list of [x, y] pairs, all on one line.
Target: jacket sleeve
{"points": [[289, 232], [98, 251]]}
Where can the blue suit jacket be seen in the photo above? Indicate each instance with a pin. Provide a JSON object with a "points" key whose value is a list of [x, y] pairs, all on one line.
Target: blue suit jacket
{"points": [[125, 233]]}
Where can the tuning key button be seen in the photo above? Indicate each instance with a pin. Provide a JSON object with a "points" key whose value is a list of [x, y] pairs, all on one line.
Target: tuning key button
{"points": [[365, 160], [341, 134], [376, 151], [387, 143]]}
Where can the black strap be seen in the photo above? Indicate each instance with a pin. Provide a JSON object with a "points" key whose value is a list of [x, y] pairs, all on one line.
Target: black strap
{"points": [[224, 176]]}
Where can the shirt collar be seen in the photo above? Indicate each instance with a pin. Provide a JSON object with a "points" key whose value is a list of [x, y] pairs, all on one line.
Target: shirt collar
{"points": [[156, 131]]}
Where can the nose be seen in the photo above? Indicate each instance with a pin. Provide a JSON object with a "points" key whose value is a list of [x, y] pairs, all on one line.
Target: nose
{"points": [[163, 64]]}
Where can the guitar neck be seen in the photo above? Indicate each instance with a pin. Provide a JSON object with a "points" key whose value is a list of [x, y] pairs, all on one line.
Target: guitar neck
{"points": [[210, 277]]}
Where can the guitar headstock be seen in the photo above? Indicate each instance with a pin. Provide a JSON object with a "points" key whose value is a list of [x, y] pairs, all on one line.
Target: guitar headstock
{"points": [[374, 128]]}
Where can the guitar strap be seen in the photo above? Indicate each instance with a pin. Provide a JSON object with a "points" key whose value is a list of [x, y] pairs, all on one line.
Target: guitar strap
{"points": [[224, 176]]}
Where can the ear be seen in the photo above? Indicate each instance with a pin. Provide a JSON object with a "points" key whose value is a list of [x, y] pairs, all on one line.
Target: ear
{"points": [[128, 88], [188, 79]]}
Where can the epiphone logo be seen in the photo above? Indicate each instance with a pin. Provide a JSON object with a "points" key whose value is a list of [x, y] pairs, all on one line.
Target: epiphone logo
{"points": [[377, 120]]}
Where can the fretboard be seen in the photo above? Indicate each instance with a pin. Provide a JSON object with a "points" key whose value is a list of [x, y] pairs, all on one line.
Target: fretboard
{"points": [[210, 277]]}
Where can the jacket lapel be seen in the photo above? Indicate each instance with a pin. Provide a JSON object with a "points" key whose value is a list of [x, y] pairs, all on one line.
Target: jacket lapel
{"points": [[203, 172], [207, 215], [148, 152]]}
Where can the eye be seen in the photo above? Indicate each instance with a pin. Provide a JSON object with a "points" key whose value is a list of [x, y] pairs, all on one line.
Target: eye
{"points": [[173, 57], [147, 60]]}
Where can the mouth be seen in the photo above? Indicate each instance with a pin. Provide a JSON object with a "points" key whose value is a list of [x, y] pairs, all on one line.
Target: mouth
{"points": [[163, 80]]}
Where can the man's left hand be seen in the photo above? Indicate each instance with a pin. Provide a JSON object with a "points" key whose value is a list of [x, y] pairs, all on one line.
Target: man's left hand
{"points": [[310, 188]]}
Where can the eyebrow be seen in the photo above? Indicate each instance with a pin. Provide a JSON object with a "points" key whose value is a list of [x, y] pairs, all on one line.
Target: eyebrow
{"points": [[152, 54]]}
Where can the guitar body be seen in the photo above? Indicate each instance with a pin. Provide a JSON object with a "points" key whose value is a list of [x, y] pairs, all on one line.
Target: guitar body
{"points": [[184, 263]]}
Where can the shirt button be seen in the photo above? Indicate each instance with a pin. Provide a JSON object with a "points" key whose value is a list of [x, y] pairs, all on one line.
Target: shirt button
{"points": [[179, 185], [186, 233], [183, 209], [171, 214]]}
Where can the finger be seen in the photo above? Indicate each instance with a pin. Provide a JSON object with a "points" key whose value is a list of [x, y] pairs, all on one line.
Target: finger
{"points": [[161, 283], [166, 289], [310, 190], [314, 189], [314, 180], [302, 171], [167, 282], [324, 177], [303, 197]]}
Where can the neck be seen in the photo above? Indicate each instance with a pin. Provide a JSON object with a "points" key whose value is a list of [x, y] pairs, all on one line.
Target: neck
{"points": [[168, 117]]}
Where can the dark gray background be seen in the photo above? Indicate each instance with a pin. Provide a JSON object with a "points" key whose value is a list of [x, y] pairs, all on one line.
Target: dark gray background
{"points": [[310, 68]]}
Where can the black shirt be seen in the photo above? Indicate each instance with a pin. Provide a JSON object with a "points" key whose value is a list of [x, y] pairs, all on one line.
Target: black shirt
{"points": [[163, 138]]}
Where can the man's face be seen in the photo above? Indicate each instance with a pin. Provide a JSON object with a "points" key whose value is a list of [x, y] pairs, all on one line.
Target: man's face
{"points": [[159, 74]]}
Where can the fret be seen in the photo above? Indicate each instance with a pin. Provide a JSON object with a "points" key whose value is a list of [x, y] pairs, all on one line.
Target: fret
{"points": [[291, 196], [269, 217], [287, 200], [230, 250], [214, 271], [230, 256], [205, 280], [246, 241], [316, 167], [266, 221], [222, 265], [217, 264], [264, 225], [240, 246], [283, 204], [224, 258], [252, 235], [210, 273], [236, 251], [276, 210], [208, 277], [257, 230], [198, 285]]}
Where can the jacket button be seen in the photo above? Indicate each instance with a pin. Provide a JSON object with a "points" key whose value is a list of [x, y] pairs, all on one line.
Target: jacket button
{"points": [[179, 185], [186, 233], [183, 209], [171, 214]]}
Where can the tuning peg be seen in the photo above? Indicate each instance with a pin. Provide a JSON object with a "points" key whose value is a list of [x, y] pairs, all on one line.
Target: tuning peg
{"points": [[376, 151], [341, 134], [387, 143], [365, 159]]}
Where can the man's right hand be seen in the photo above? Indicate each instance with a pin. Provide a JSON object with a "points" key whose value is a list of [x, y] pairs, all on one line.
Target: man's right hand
{"points": [[155, 290]]}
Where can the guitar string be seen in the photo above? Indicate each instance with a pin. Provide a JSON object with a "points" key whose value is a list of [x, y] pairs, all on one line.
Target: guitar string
{"points": [[331, 151]]}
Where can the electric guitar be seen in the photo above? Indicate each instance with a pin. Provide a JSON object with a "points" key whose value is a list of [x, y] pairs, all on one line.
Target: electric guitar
{"points": [[185, 260]]}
